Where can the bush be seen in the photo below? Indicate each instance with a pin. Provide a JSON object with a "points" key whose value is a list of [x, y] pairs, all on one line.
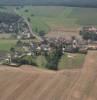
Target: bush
{"points": [[88, 35], [26, 10], [29, 20], [28, 60], [19, 43], [32, 15], [42, 33], [53, 59]]}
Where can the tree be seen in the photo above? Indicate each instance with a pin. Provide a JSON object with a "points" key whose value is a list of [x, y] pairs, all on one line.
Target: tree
{"points": [[53, 59], [29, 20], [88, 35], [12, 50], [17, 8], [19, 43], [28, 60], [42, 33], [26, 10], [32, 15]]}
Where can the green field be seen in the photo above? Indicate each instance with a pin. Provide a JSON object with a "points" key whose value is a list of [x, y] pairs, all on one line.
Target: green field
{"points": [[71, 61], [48, 17], [41, 62], [75, 62], [5, 45]]}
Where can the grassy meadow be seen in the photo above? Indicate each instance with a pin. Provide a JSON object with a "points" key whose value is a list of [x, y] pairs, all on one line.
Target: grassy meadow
{"points": [[71, 61], [6, 44], [49, 17], [67, 61]]}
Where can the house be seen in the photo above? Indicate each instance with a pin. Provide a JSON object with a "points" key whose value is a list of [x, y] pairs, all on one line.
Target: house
{"points": [[89, 29]]}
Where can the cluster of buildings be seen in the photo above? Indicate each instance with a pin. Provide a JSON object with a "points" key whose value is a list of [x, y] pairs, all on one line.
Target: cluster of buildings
{"points": [[89, 29], [8, 28], [49, 45]]}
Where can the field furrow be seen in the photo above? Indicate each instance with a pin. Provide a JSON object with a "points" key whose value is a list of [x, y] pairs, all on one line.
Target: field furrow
{"points": [[26, 83]]}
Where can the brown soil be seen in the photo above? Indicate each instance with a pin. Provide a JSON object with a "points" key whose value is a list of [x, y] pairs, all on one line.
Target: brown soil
{"points": [[30, 83], [63, 32]]}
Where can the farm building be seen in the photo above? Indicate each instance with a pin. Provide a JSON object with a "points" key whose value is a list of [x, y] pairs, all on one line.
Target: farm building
{"points": [[89, 29]]}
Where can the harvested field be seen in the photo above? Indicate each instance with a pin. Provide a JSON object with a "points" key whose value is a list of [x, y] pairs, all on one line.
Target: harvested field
{"points": [[26, 83], [86, 86], [63, 32]]}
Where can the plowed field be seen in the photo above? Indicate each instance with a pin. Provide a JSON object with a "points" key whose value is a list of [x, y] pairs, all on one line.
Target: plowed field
{"points": [[26, 83]]}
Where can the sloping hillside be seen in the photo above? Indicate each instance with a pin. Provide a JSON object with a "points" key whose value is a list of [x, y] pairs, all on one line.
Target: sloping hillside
{"points": [[60, 18], [20, 84], [86, 86], [54, 17], [26, 83]]}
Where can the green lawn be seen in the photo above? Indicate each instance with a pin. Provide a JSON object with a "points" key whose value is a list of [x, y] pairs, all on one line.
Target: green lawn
{"points": [[5, 45]]}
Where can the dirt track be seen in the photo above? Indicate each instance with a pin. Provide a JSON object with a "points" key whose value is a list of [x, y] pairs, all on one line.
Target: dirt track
{"points": [[28, 83]]}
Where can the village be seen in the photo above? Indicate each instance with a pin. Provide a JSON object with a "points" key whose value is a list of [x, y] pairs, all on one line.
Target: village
{"points": [[48, 46], [31, 44]]}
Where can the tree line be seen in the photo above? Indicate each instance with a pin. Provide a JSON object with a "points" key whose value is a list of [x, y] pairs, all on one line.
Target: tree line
{"points": [[78, 3], [6, 17]]}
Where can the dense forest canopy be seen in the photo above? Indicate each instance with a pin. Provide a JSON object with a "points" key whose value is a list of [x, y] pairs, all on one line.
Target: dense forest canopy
{"points": [[86, 3]]}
